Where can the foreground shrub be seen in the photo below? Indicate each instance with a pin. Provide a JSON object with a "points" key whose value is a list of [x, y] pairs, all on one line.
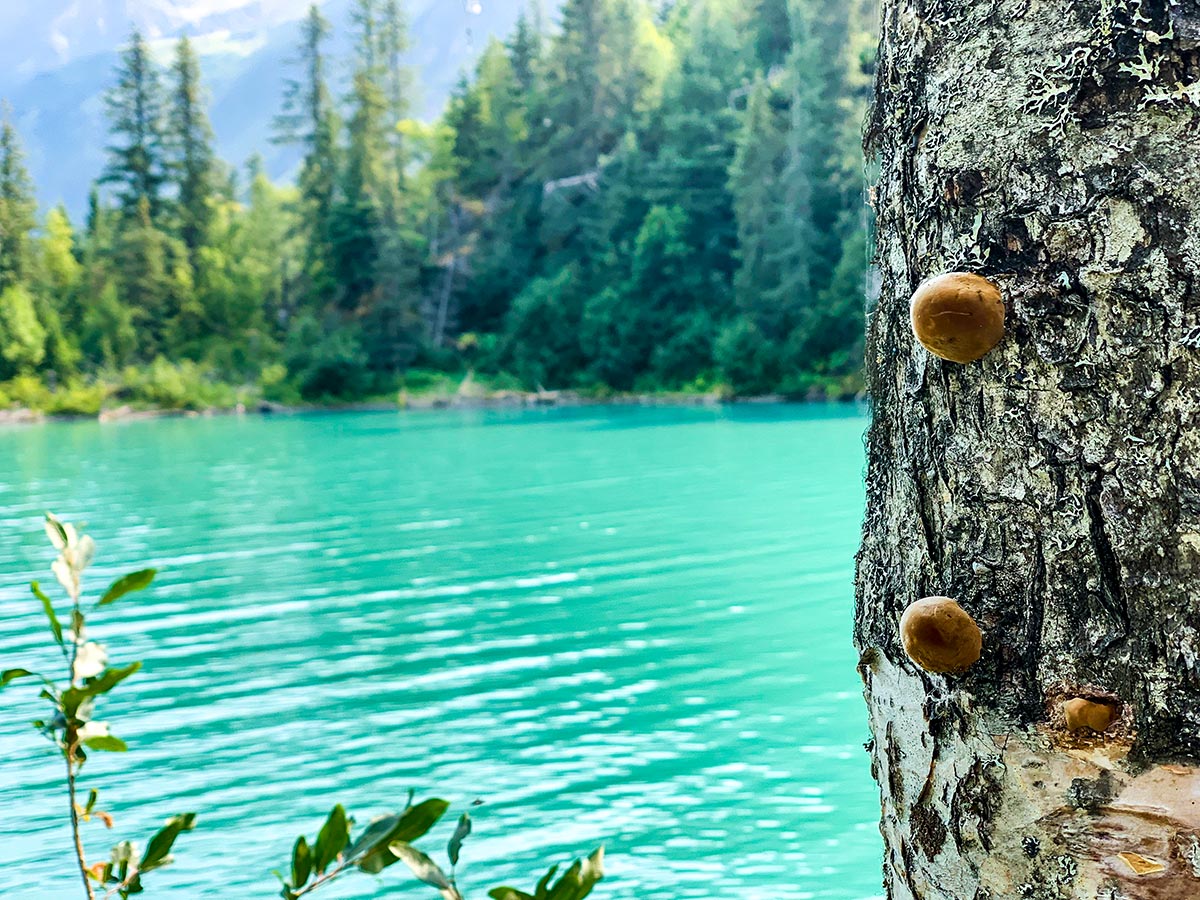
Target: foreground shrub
{"points": [[75, 731]]}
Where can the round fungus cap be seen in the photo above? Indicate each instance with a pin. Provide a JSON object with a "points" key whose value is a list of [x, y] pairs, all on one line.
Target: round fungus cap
{"points": [[939, 636], [958, 316]]}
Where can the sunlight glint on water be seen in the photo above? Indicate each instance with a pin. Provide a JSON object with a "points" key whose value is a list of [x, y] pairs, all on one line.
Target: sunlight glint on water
{"points": [[611, 625]]}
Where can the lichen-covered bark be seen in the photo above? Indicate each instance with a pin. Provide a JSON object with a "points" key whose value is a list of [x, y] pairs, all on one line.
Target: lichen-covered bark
{"points": [[1054, 487]]}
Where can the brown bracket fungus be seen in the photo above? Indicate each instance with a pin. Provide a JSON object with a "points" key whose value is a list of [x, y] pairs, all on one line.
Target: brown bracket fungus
{"points": [[939, 636], [958, 316], [1081, 713]]}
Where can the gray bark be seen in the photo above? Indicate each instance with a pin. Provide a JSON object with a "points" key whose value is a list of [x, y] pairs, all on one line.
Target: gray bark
{"points": [[1052, 488]]}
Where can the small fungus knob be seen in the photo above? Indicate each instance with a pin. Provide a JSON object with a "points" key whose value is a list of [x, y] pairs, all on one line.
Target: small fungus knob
{"points": [[939, 636], [958, 316], [1081, 713]]}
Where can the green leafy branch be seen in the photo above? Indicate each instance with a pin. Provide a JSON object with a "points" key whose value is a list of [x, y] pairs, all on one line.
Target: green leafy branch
{"points": [[73, 727], [389, 839], [75, 731]]}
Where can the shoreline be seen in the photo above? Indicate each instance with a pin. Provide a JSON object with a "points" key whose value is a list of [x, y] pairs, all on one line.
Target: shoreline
{"points": [[491, 400]]}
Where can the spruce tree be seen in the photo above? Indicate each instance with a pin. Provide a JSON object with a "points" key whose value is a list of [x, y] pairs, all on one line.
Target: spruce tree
{"points": [[57, 297], [97, 243], [136, 163], [816, 70], [392, 328], [598, 72], [771, 31], [573, 114], [18, 206], [397, 84], [190, 158], [359, 214], [694, 142], [22, 337], [601, 71], [493, 123], [825, 174], [309, 121], [525, 49], [772, 218], [58, 266], [147, 281]]}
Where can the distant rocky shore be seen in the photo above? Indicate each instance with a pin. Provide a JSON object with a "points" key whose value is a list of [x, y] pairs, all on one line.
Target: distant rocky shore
{"points": [[468, 399]]}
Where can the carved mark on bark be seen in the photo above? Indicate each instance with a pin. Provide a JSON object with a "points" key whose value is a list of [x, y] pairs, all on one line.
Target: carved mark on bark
{"points": [[895, 773], [1032, 699], [1112, 594]]}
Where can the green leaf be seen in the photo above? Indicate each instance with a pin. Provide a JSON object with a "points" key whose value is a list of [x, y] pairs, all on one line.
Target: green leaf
{"points": [[421, 865], [565, 888], [332, 840], [12, 675], [416, 821], [107, 742], [576, 884], [48, 606], [134, 581], [109, 679], [73, 698], [580, 878], [301, 862], [93, 796], [543, 886], [370, 852], [158, 851], [460, 835]]}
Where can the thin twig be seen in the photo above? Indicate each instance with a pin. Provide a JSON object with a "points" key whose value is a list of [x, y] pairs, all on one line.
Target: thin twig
{"points": [[70, 742], [69, 753], [324, 879]]}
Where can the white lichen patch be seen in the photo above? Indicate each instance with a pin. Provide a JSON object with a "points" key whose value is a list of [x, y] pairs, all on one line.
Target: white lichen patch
{"points": [[1124, 233]]}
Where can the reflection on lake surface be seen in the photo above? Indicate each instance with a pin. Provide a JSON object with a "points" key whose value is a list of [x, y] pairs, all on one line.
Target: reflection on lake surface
{"points": [[628, 626]]}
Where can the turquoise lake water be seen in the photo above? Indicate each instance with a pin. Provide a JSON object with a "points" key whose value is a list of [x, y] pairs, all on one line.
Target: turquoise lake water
{"points": [[618, 626]]}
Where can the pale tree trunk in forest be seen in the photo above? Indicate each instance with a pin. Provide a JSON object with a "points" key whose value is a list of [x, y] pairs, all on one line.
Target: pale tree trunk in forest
{"points": [[1053, 488]]}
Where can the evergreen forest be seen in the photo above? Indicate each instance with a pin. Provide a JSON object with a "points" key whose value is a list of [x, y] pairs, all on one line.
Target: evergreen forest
{"points": [[625, 196]]}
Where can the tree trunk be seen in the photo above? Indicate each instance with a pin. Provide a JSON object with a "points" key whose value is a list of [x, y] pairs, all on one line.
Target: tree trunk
{"points": [[1053, 488]]}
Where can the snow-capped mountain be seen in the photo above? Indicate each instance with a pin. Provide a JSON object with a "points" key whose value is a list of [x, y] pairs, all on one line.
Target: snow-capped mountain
{"points": [[48, 34], [57, 58]]}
